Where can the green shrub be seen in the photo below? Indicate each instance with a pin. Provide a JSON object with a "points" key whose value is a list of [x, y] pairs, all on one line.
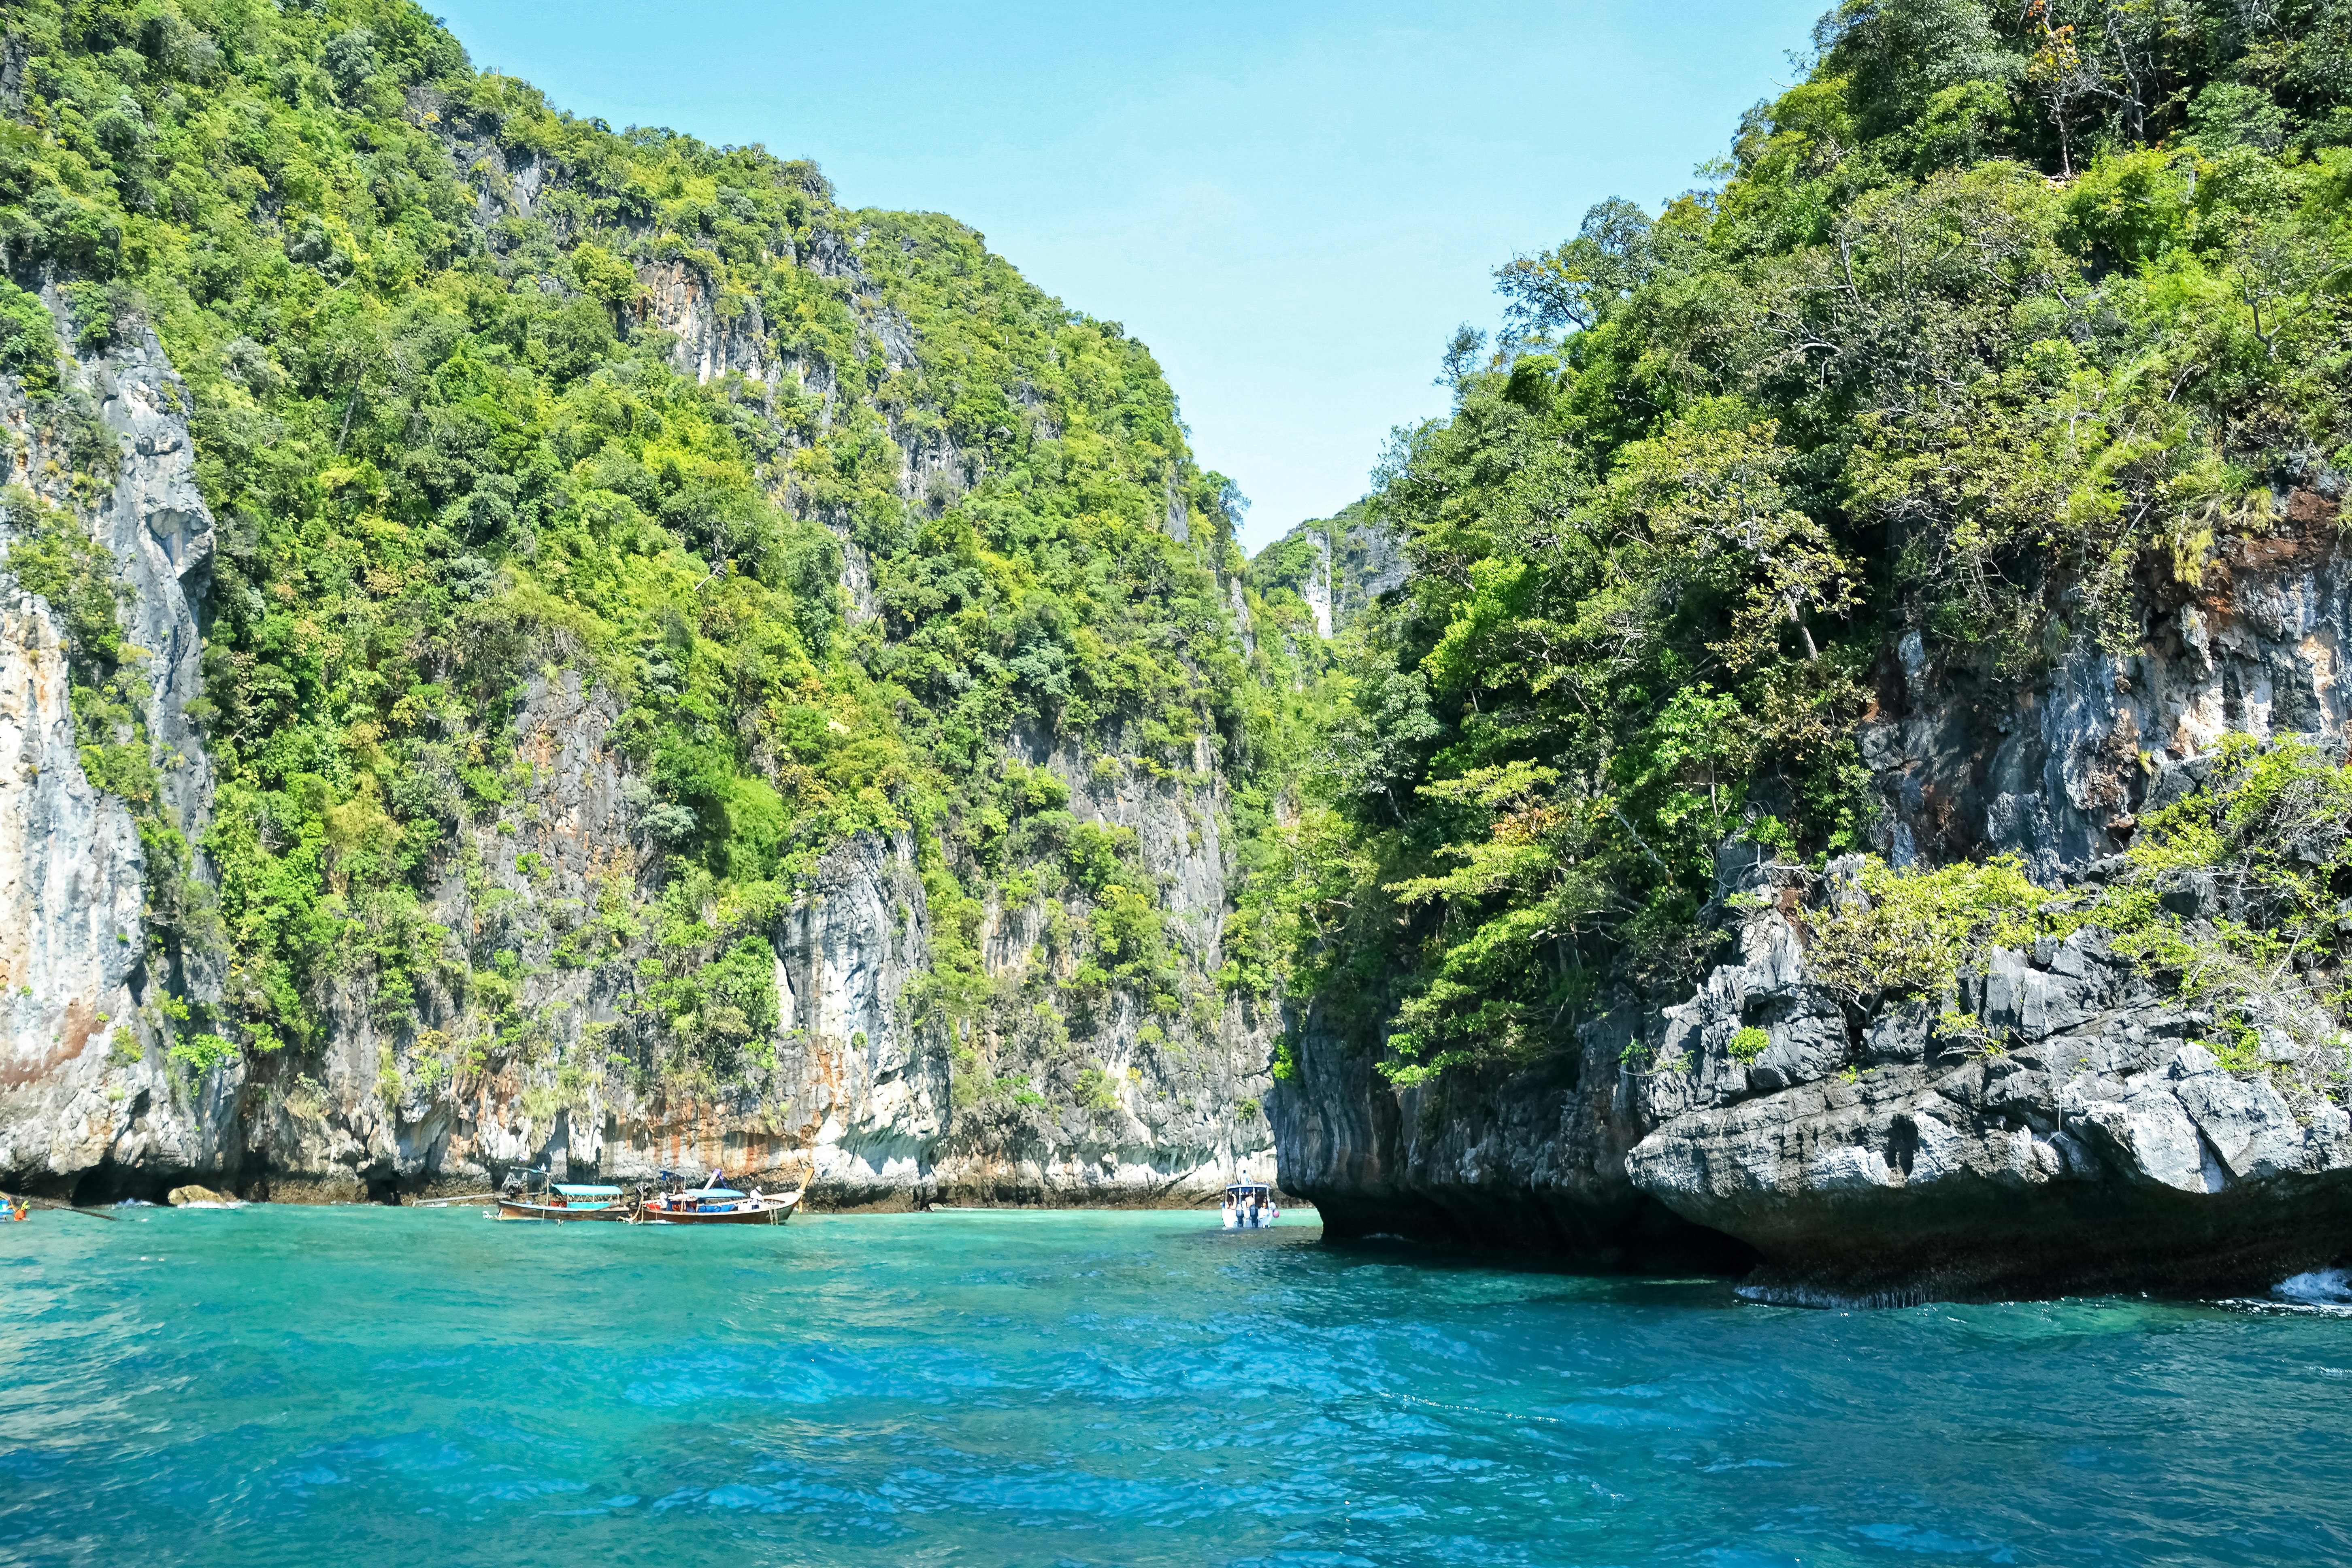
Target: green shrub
{"points": [[28, 343], [1095, 1090], [1909, 932]]}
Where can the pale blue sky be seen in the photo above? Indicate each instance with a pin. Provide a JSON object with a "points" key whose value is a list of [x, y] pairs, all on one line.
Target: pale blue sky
{"points": [[1292, 205]]}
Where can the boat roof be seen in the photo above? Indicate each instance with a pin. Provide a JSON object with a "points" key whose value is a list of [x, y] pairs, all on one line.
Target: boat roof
{"points": [[713, 1193], [570, 1191], [1249, 1187]]}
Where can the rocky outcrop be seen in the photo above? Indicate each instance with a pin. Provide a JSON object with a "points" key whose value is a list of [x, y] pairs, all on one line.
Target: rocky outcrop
{"points": [[2083, 1141], [2255, 646], [2077, 1136], [72, 894], [1527, 1161], [86, 1087], [717, 334], [161, 532]]}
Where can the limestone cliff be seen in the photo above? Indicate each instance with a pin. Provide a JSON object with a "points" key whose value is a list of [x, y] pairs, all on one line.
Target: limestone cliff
{"points": [[86, 1083], [517, 1045], [1869, 1151], [1339, 565], [2102, 1149]]}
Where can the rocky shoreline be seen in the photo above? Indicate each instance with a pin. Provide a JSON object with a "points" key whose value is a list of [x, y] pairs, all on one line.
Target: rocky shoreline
{"points": [[2107, 1151]]}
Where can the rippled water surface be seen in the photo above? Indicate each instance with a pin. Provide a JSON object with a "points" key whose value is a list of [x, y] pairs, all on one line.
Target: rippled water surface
{"points": [[293, 1385]]}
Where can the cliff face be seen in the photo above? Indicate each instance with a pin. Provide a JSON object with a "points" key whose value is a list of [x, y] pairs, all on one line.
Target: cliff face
{"points": [[516, 1047], [847, 1101], [2252, 647], [86, 1083], [1166, 1103], [1339, 565], [1864, 1152], [2103, 1148], [1531, 1161]]}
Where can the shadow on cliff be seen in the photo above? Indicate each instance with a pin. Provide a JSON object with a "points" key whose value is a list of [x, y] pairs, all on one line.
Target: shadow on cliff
{"points": [[1523, 1163]]}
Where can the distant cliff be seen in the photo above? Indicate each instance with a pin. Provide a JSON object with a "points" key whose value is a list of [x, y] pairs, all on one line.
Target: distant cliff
{"points": [[1336, 565]]}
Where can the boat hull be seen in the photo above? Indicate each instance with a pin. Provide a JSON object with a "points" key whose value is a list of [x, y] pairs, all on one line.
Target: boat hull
{"points": [[766, 1214], [510, 1208]]}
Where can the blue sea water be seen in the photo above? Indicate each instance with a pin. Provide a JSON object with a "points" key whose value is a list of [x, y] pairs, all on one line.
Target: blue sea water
{"points": [[304, 1385]]}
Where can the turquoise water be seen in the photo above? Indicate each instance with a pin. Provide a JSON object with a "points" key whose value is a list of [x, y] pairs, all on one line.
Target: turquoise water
{"points": [[298, 1385]]}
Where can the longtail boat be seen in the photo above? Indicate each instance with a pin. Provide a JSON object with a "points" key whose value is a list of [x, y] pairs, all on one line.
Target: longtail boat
{"points": [[559, 1203], [711, 1203]]}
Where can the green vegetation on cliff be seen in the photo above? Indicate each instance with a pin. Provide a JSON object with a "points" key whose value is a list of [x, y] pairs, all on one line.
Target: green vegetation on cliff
{"points": [[1997, 315], [450, 449], [2229, 896]]}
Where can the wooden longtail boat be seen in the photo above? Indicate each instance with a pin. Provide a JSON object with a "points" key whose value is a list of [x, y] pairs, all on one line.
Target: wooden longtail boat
{"points": [[559, 1203], [717, 1206]]}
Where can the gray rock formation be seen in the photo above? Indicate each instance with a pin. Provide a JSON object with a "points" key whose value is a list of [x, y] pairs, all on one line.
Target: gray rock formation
{"points": [[1531, 1161], [2099, 1148], [1348, 562], [2055, 778], [86, 1086]]}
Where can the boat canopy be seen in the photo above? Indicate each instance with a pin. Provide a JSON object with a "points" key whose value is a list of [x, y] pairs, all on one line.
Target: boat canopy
{"points": [[578, 1192], [1243, 1189], [698, 1192]]}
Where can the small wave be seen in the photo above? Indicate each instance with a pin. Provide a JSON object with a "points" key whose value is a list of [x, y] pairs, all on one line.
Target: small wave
{"points": [[2318, 1287], [1827, 1301], [1933, 1542], [2317, 1293], [2266, 1307]]}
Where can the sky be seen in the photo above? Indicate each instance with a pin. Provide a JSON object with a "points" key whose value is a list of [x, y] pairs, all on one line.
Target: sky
{"points": [[1293, 205]]}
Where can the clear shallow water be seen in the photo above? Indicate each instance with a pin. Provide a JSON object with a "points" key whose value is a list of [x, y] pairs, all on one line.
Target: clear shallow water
{"points": [[301, 1385]]}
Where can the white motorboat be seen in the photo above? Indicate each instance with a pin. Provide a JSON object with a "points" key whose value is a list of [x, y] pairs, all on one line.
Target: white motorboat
{"points": [[1249, 1206]]}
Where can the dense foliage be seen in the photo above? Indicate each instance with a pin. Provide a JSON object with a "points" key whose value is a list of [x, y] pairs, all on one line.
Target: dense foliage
{"points": [[1999, 314], [450, 454]]}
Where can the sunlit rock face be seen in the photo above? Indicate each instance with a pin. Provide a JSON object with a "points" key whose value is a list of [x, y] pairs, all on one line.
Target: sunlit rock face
{"points": [[86, 1090]]}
